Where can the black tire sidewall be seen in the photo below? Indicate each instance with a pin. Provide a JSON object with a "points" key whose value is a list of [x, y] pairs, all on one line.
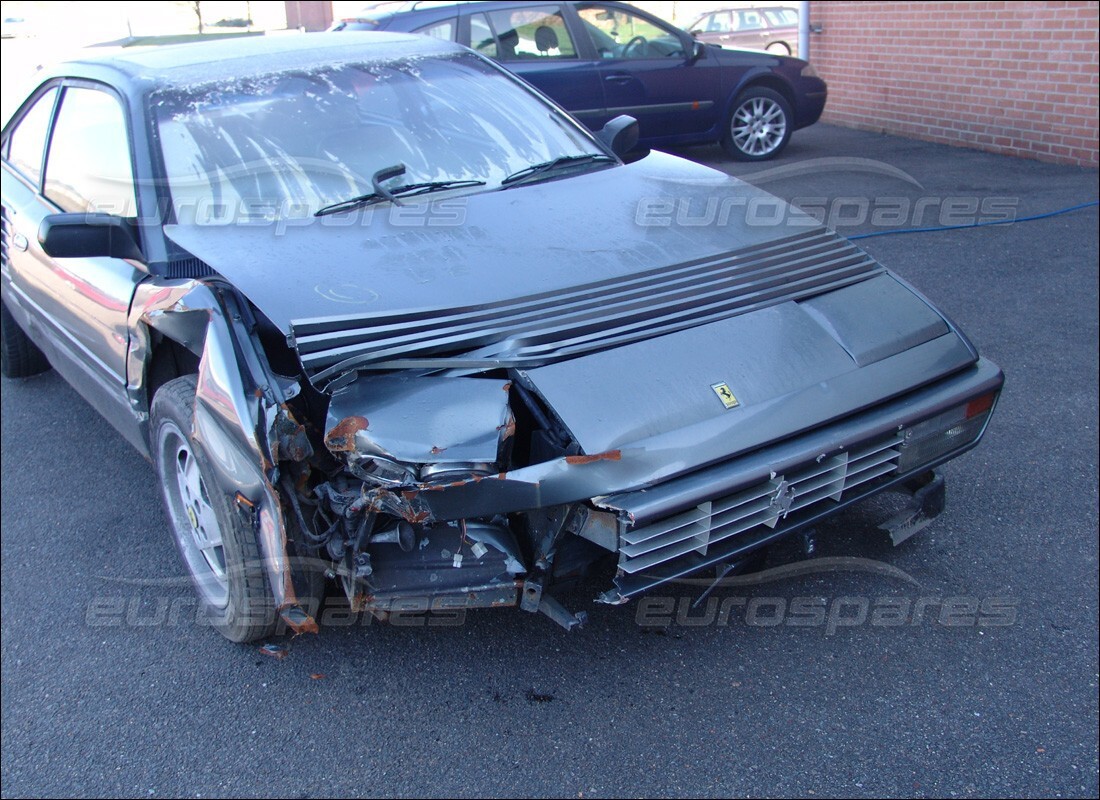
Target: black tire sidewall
{"points": [[19, 356], [249, 613]]}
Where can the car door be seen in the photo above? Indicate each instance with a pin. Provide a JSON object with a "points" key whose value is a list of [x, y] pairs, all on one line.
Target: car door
{"points": [[649, 71], [752, 29], [534, 43], [715, 28], [77, 308]]}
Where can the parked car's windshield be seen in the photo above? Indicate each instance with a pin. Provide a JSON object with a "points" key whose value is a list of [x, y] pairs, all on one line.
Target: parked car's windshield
{"points": [[293, 142]]}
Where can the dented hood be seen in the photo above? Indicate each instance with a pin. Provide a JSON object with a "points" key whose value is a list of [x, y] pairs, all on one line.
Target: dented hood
{"points": [[535, 275], [641, 302], [485, 248]]}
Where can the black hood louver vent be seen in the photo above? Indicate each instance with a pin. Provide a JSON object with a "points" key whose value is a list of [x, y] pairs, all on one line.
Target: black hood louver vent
{"points": [[182, 268], [540, 329]]}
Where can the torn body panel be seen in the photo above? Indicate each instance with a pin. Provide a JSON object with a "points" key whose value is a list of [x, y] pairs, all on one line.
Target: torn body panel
{"points": [[238, 426], [421, 420]]}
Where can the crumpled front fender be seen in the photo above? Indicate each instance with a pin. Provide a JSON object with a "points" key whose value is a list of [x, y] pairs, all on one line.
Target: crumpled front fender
{"points": [[234, 409]]}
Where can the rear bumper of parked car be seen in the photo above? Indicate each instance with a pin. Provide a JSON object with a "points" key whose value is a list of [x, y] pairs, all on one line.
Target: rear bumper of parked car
{"points": [[721, 514]]}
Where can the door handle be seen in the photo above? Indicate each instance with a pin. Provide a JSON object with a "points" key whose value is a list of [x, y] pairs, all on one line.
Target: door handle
{"points": [[618, 78]]}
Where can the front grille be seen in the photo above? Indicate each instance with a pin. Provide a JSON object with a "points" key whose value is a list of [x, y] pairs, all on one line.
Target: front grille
{"points": [[539, 329], [764, 504]]}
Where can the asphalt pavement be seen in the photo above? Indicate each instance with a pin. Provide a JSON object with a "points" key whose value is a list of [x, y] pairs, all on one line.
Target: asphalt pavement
{"points": [[110, 688]]}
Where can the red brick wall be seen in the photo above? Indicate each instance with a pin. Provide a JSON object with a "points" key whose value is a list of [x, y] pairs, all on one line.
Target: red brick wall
{"points": [[312, 15], [1018, 78]]}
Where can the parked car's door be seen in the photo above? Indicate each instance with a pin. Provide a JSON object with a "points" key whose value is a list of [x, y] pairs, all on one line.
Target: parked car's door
{"points": [[534, 43], [78, 306], [751, 29], [648, 71], [715, 27]]}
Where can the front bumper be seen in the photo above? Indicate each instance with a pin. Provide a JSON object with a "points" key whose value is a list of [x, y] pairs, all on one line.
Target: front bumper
{"points": [[721, 514]]}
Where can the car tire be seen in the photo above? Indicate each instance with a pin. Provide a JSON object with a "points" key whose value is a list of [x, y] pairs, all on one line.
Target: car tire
{"points": [[219, 549], [779, 49], [758, 126], [19, 356]]}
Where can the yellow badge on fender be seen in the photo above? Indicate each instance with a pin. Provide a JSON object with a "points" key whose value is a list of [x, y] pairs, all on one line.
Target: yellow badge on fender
{"points": [[725, 395]]}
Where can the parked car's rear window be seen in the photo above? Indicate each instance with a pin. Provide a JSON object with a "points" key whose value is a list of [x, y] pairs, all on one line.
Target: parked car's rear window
{"points": [[530, 33]]}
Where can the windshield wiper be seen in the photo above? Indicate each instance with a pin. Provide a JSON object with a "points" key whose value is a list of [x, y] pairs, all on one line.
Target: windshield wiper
{"points": [[536, 170], [381, 193]]}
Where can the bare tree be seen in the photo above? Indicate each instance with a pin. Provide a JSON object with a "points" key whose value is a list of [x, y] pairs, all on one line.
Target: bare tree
{"points": [[195, 6]]}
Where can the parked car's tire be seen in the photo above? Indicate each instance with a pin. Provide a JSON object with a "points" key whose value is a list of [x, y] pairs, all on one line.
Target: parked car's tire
{"points": [[779, 48], [218, 548], [19, 356], [759, 125]]}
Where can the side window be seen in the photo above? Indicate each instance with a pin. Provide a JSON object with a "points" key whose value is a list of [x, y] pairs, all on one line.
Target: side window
{"points": [[719, 22], [781, 16], [88, 164], [620, 34], [440, 30], [529, 33], [27, 141], [481, 35], [751, 21]]}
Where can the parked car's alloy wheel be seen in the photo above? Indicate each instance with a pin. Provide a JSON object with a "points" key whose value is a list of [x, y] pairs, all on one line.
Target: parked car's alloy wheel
{"points": [[19, 356], [759, 125], [218, 548], [779, 48]]}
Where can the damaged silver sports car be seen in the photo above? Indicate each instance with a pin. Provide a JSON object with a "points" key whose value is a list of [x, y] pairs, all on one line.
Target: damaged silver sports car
{"points": [[380, 313]]}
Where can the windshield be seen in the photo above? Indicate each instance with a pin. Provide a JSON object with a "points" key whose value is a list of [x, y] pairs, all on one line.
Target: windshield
{"points": [[294, 142]]}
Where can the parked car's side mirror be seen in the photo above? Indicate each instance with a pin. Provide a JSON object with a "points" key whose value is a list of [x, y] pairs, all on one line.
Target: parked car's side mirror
{"points": [[620, 134], [698, 50], [88, 235]]}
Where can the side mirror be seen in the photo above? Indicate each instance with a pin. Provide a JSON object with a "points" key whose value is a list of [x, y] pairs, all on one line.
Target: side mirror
{"points": [[88, 235], [620, 134], [698, 50]]}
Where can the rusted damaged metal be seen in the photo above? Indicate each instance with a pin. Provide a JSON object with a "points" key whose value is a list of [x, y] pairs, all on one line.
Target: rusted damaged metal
{"points": [[298, 621], [611, 455], [276, 651], [291, 442], [406, 505], [341, 437]]}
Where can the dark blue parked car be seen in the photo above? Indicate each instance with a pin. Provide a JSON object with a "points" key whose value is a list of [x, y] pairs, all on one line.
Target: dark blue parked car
{"points": [[600, 60]]}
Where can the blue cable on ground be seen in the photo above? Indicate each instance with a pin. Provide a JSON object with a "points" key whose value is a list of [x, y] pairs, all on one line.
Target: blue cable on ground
{"points": [[978, 224]]}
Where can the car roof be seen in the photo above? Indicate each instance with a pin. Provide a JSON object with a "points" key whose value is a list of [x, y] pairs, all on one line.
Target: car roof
{"points": [[723, 9], [236, 57], [398, 8]]}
